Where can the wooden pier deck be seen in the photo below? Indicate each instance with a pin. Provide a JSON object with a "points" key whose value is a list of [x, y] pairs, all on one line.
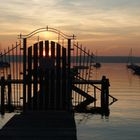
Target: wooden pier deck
{"points": [[40, 125]]}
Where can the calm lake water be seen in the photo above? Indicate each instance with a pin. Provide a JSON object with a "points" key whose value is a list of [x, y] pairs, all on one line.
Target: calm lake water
{"points": [[124, 120]]}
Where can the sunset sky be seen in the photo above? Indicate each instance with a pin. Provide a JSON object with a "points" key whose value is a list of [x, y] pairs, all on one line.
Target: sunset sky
{"points": [[110, 27]]}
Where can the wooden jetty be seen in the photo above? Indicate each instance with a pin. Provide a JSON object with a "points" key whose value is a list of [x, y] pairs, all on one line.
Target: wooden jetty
{"points": [[47, 82], [40, 125]]}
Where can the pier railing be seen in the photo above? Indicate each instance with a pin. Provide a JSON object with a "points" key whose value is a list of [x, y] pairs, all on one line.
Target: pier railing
{"points": [[82, 63], [50, 75], [11, 76]]}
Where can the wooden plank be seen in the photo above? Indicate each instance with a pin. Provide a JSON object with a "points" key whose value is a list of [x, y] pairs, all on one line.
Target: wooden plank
{"points": [[35, 73], [46, 48], [41, 75], [47, 77], [58, 75], [29, 85], [64, 77], [52, 72]]}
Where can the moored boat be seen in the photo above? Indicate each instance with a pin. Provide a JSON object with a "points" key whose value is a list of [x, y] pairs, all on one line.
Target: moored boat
{"points": [[4, 64], [136, 69], [97, 65]]}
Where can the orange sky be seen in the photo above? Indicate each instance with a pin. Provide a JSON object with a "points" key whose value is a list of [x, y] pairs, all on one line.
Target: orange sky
{"points": [[110, 27]]}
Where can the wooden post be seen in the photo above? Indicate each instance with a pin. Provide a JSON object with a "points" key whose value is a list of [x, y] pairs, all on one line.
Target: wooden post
{"points": [[63, 84], [2, 95], [105, 96], [69, 81], [9, 94], [24, 73]]}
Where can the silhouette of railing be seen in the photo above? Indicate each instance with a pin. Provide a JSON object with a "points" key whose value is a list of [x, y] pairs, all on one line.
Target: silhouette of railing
{"points": [[87, 91], [49, 75], [11, 70]]}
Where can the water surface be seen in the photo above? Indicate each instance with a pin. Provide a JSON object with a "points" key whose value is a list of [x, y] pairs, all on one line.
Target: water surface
{"points": [[124, 120]]}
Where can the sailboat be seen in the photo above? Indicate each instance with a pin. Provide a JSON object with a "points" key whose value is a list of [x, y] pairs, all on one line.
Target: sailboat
{"points": [[4, 64], [97, 64], [131, 65]]}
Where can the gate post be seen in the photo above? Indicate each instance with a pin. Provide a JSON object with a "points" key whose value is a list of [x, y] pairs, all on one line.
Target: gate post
{"points": [[2, 96], [24, 72], [29, 78], [69, 82], [105, 96], [9, 94]]}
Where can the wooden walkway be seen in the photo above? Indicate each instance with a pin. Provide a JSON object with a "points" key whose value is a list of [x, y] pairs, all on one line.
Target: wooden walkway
{"points": [[40, 125]]}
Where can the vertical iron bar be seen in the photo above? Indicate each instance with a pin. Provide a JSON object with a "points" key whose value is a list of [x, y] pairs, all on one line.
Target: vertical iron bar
{"points": [[24, 73], [9, 59], [83, 64], [86, 78], [80, 62], [77, 63], [13, 73], [69, 81], [20, 68], [6, 68], [17, 92]]}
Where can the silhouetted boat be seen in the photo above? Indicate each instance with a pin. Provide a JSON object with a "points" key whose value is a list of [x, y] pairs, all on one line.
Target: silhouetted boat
{"points": [[129, 66], [4, 64], [81, 67], [136, 69], [97, 65]]}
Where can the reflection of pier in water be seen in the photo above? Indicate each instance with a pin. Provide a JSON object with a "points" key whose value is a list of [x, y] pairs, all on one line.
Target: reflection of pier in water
{"points": [[54, 77]]}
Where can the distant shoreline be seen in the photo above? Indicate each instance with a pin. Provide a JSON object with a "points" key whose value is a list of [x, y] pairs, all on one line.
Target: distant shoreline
{"points": [[117, 59], [101, 59]]}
